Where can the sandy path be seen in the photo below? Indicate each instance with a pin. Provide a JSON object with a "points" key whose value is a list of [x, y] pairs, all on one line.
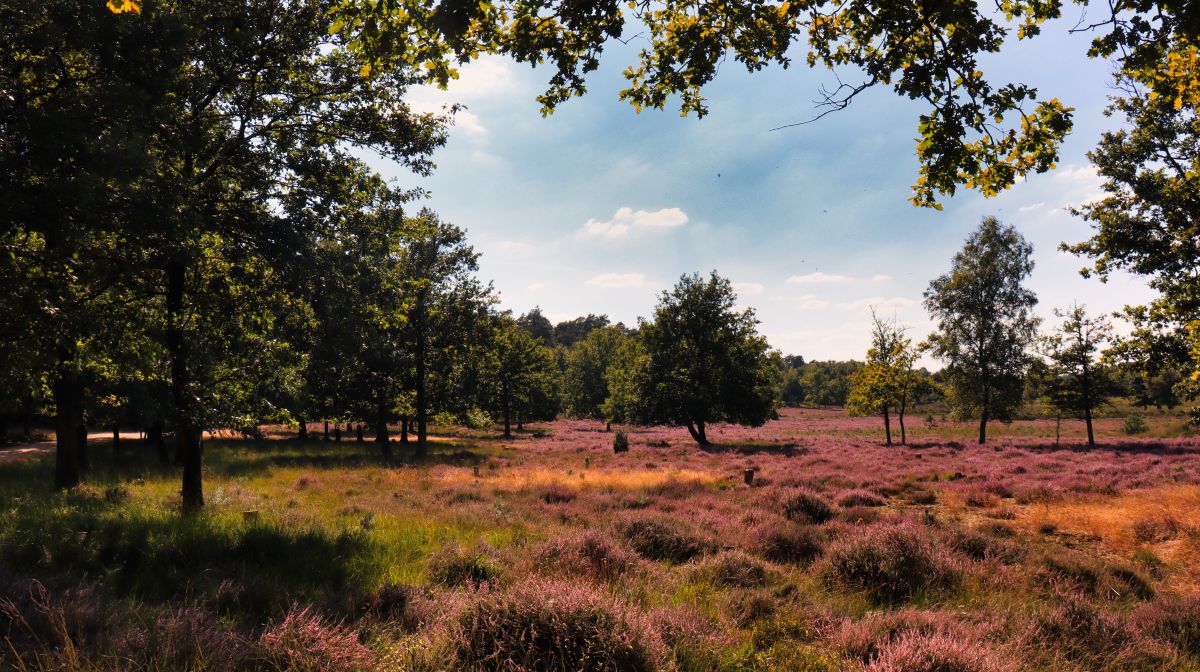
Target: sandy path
{"points": [[32, 451]]}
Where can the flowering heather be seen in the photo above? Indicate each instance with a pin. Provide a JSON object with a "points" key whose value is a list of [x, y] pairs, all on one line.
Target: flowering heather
{"points": [[550, 625], [549, 551], [305, 642]]}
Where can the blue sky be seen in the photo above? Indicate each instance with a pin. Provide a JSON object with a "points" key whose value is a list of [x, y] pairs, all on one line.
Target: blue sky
{"points": [[597, 209]]}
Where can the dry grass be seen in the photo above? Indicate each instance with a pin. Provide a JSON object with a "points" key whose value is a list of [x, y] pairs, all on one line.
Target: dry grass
{"points": [[1112, 521], [633, 479]]}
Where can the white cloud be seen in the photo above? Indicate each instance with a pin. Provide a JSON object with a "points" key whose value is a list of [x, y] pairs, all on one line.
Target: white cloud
{"points": [[819, 278], [618, 280], [881, 277], [483, 78], [805, 302], [628, 220], [878, 302], [1030, 208], [747, 288], [536, 286], [1078, 174]]}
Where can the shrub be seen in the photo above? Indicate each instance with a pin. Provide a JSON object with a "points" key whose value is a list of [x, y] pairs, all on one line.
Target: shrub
{"points": [[890, 563], [662, 538], [733, 569], [306, 642], [981, 547], [456, 566], [1174, 621], [1134, 424], [855, 498], [1070, 574], [807, 507], [620, 441], [550, 625], [587, 553], [557, 493], [477, 418], [922, 497], [936, 652], [791, 544], [1156, 529]]}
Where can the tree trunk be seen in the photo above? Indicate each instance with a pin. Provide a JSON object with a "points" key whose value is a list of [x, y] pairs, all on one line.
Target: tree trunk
{"points": [[85, 463], [358, 433], [983, 415], [187, 435], [520, 424], [507, 412], [404, 424], [326, 431], [155, 436], [696, 429], [68, 416], [1091, 436], [1087, 405], [421, 401], [116, 438], [381, 432], [608, 426], [302, 435], [887, 424], [900, 416]]}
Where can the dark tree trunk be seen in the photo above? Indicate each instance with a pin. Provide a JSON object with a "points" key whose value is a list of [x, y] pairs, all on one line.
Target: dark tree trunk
{"points": [[608, 426], [303, 433], [326, 432], [421, 402], [507, 412], [696, 429], [68, 416], [983, 416], [116, 438], [188, 448], [381, 431], [155, 436], [887, 424], [903, 434], [983, 428], [85, 464], [404, 425], [1087, 406], [337, 433], [358, 433], [520, 424]]}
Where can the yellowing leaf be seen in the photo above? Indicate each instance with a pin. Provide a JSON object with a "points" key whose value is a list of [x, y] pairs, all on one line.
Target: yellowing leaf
{"points": [[122, 6]]}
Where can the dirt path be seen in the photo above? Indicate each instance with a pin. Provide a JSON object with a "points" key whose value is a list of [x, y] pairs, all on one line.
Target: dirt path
{"points": [[32, 451]]}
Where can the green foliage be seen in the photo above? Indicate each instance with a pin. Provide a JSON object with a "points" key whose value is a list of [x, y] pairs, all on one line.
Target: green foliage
{"points": [[620, 441], [975, 131], [522, 375], [816, 383], [585, 381], [984, 323], [705, 362], [1134, 424], [1077, 384]]}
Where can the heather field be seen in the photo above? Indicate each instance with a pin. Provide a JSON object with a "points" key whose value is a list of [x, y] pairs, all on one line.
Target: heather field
{"points": [[551, 552]]}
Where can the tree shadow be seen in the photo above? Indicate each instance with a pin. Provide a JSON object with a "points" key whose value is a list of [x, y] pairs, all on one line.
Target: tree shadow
{"points": [[783, 449]]}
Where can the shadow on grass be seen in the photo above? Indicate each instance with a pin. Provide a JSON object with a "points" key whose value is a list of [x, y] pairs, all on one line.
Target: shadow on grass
{"points": [[784, 449], [250, 570]]}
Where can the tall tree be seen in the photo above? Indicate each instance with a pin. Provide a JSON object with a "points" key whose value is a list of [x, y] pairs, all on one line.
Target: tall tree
{"points": [[706, 361], [1078, 383], [1148, 223], [887, 382], [538, 325], [984, 321], [569, 332], [521, 376], [586, 378]]}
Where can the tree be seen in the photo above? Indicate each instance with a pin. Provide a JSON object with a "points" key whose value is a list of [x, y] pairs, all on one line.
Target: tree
{"points": [[876, 388], [569, 332], [705, 361], [1148, 223], [1078, 383], [984, 323], [521, 375], [537, 325], [448, 305], [589, 363]]}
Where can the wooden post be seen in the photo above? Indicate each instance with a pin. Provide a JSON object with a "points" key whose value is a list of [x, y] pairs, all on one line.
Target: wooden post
{"points": [[748, 475], [475, 471]]}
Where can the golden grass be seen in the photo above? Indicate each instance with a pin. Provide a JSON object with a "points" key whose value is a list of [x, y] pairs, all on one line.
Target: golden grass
{"points": [[1111, 520], [615, 479]]}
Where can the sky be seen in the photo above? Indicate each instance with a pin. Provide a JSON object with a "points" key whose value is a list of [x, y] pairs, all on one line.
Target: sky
{"points": [[598, 209]]}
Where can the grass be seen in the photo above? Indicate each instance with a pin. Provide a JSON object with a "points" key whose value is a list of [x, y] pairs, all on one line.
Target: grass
{"points": [[319, 555]]}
